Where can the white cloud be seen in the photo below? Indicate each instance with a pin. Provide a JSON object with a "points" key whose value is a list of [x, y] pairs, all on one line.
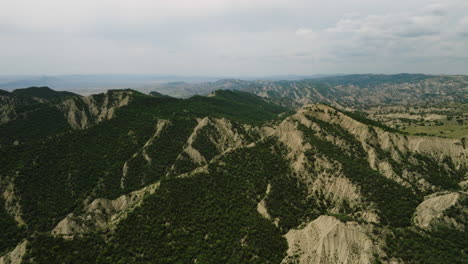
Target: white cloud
{"points": [[232, 37], [304, 32], [462, 27]]}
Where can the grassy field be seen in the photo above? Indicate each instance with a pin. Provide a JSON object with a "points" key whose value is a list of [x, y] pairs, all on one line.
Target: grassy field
{"points": [[449, 130], [442, 120]]}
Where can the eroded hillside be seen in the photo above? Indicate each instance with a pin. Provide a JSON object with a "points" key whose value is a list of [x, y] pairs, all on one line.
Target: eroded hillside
{"points": [[230, 178]]}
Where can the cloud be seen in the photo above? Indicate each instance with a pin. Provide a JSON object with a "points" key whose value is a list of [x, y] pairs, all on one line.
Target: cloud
{"points": [[304, 32], [232, 37], [462, 28], [429, 34]]}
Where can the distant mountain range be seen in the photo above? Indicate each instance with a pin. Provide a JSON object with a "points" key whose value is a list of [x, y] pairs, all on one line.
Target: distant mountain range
{"points": [[347, 90], [94, 83]]}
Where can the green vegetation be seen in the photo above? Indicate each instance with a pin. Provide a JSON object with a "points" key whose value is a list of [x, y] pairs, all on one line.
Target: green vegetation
{"points": [[204, 145], [238, 106], [373, 80], [437, 174], [449, 131], [11, 233], [43, 248], [448, 120], [42, 93], [40, 122], [210, 217], [441, 246], [289, 202], [362, 117], [57, 170], [395, 202], [163, 152]]}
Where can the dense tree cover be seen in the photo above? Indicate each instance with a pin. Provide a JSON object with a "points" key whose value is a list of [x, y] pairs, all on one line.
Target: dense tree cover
{"points": [[289, 202], [36, 123], [163, 153], [336, 133], [435, 172], [208, 218], [183, 164], [43, 93], [55, 173], [444, 245], [11, 234], [4, 93], [203, 142], [238, 106], [396, 203], [44, 248]]}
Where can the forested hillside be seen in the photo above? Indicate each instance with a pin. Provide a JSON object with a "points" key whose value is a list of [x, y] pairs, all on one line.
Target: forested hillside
{"points": [[125, 177]]}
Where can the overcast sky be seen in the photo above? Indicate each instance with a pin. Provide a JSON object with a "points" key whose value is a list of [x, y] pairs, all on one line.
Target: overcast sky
{"points": [[233, 37]]}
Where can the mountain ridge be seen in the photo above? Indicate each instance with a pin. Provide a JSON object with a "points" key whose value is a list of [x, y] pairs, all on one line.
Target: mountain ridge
{"points": [[230, 178]]}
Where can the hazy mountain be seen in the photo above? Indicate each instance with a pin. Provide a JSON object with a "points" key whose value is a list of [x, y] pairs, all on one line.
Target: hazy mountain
{"points": [[86, 84], [348, 90], [124, 177], [44, 93]]}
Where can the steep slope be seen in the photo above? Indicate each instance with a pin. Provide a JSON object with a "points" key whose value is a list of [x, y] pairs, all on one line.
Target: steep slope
{"points": [[38, 112], [152, 135], [328, 240], [231, 178], [81, 112], [368, 174], [445, 208], [11, 106]]}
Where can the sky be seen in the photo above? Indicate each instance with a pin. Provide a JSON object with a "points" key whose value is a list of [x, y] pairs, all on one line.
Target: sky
{"points": [[233, 37]]}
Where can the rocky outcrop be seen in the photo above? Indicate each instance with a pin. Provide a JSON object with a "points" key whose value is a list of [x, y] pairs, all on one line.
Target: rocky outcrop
{"points": [[102, 213], [328, 240], [434, 209], [159, 127], [223, 134], [391, 153], [436, 147], [339, 190], [7, 111], [261, 206], [16, 255], [10, 104], [81, 112], [12, 202]]}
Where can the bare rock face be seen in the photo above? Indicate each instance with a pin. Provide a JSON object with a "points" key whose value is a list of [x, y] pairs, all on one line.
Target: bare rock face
{"points": [[12, 203], [16, 255], [261, 206], [434, 146], [328, 240], [222, 133], [397, 146], [81, 112], [433, 210], [160, 126], [102, 213], [7, 112], [326, 177]]}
